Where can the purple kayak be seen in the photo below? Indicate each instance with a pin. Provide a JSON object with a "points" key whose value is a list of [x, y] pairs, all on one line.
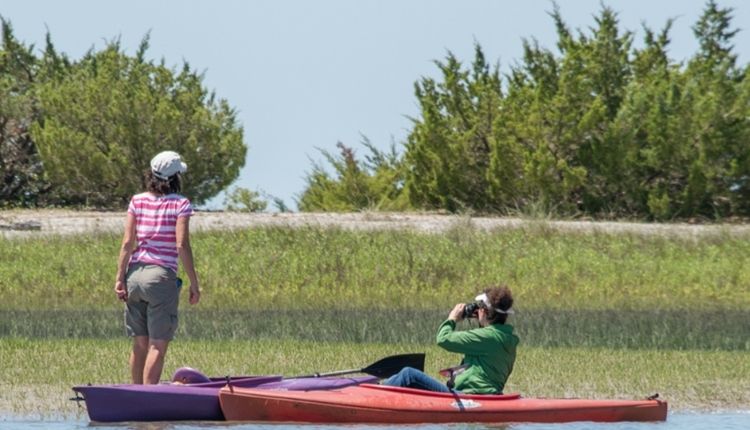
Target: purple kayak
{"points": [[194, 401]]}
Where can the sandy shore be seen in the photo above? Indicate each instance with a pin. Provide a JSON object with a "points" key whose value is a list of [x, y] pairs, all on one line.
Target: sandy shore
{"points": [[35, 223]]}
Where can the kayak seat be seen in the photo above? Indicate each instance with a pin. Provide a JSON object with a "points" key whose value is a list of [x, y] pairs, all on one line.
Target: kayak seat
{"points": [[188, 375]]}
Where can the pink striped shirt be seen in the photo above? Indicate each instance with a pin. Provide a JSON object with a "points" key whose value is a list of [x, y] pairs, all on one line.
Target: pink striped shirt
{"points": [[155, 225]]}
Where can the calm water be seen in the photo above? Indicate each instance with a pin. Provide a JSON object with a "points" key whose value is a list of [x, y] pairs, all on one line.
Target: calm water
{"points": [[680, 421]]}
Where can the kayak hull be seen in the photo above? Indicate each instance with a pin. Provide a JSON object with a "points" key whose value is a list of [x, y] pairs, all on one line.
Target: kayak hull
{"points": [[159, 402], [180, 402], [380, 404]]}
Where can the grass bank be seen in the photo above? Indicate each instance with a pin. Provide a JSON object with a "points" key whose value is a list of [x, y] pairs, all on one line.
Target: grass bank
{"points": [[571, 289], [314, 268]]}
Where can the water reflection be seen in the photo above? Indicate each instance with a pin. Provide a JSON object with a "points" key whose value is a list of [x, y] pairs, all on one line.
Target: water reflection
{"points": [[682, 421]]}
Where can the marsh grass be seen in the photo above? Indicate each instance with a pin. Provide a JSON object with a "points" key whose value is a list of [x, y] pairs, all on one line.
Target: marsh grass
{"points": [[314, 268], [599, 315], [696, 380], [647, 329]]}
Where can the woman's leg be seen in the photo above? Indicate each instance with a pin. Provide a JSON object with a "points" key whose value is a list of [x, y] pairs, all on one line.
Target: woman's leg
{"points": [[138, 358], [413, 378], [163, 296], [157, 349], [135, 323]]}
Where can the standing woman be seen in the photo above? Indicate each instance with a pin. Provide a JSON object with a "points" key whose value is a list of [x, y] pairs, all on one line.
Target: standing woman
{"points": [[156, 233]]}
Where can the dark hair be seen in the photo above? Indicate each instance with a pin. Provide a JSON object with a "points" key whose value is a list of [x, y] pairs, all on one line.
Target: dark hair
{"points": [[161, 186], [501, 298]]}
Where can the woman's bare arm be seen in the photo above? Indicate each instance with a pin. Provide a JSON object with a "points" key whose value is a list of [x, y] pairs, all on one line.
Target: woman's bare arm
{"points": [[126, 250], [185, 251]]}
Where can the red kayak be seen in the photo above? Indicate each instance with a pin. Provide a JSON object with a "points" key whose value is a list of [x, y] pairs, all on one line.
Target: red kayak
{"points": [[369, 403]]}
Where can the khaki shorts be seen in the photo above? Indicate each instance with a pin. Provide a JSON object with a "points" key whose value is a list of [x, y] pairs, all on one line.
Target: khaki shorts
{"points": [[153, 297]]}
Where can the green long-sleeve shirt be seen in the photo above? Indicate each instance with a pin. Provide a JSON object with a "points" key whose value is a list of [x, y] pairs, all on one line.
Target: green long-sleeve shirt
{"points": [[489, 351]]}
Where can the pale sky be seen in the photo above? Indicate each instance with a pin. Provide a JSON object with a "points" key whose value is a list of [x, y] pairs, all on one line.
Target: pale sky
{"points": [[307, 74]]}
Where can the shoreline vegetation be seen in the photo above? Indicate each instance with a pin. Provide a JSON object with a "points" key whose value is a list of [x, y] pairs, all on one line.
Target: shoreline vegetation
{"points": [[601, 312]]}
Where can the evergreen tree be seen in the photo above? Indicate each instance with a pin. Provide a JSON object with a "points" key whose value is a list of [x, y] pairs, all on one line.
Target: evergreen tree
{"points": [[649, 128], [105, 116], [21, 181], [557, 131], [600, 128], [375, 183], [447, 152], [720, 155]]}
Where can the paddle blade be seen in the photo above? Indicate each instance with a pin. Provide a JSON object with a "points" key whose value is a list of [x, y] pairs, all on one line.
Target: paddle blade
{"points": [[390, 366]]}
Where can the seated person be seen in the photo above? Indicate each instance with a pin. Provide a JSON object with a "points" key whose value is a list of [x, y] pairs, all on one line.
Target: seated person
{"points": [[489, 350]]}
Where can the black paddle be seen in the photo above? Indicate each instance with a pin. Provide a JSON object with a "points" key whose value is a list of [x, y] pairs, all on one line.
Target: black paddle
{"points": [[382, 368]]}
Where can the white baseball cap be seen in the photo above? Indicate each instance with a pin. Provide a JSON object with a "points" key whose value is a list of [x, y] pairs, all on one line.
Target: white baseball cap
{"points": [[483, 298], [167, 164]]}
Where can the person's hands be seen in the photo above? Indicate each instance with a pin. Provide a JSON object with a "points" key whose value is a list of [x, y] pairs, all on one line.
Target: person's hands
{"points": [[195, 293], [121, 290], [457, 314]]}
